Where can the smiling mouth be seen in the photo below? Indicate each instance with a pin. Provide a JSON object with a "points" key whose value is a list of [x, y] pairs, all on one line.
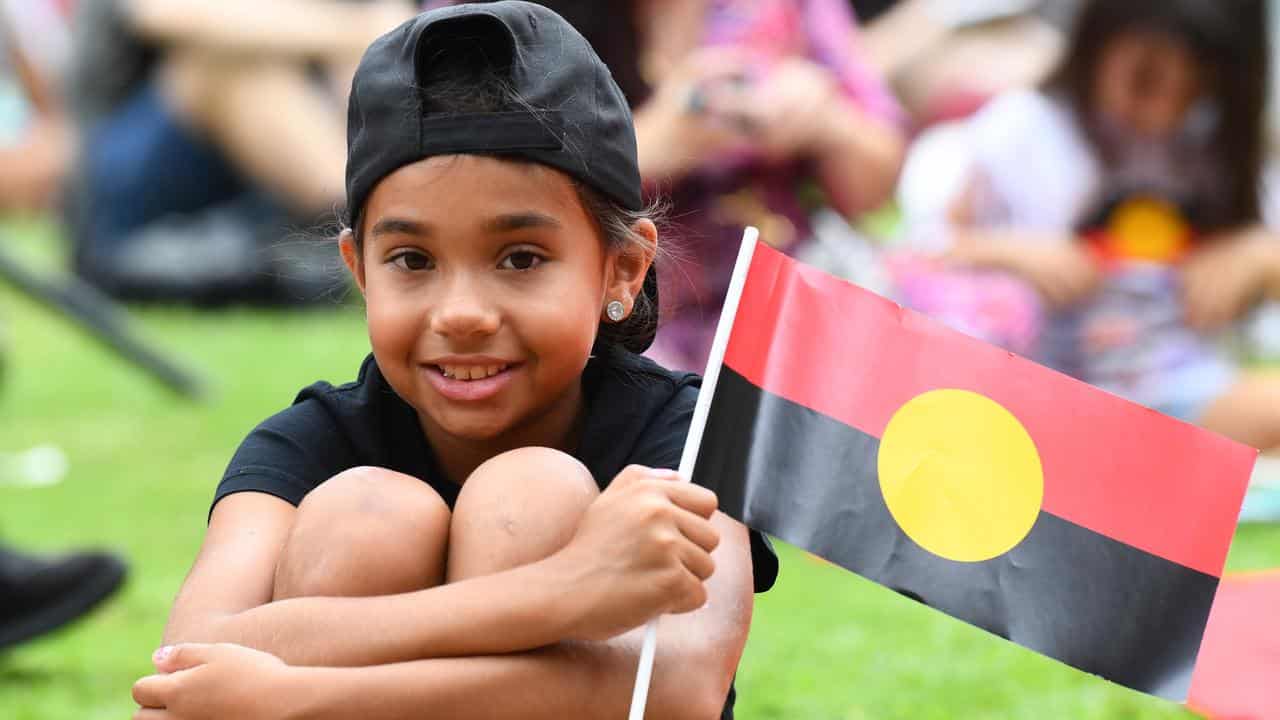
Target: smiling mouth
{"points": [[469, 372]]}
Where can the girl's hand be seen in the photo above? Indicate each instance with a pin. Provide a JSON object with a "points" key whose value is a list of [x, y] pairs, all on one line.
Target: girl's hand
{"points": [[643, 548], [1062, 270], [1229, 276], [213, 682], [794, 108], [693, 114]]}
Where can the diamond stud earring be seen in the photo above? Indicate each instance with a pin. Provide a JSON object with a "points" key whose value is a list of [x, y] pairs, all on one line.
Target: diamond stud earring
{"points": [[615, 310]]}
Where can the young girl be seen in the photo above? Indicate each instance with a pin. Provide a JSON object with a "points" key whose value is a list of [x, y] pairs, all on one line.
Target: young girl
{"points": [[1127, 193], [433, 538]]}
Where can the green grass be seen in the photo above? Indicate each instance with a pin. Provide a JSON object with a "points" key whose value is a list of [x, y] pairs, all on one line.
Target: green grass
{"points": [[144, 463]]}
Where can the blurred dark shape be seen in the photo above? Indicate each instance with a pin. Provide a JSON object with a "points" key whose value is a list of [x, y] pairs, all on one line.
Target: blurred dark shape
{"points": [[39, 595], [103, 319], [869, 10]]}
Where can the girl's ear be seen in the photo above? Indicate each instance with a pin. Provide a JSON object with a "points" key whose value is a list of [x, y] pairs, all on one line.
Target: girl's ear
{"points": [[351, 256], [628, 266]]}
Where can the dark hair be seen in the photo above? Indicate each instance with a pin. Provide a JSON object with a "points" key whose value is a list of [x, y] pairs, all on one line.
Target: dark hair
{"points": [[1229, 42], [467, 74]]}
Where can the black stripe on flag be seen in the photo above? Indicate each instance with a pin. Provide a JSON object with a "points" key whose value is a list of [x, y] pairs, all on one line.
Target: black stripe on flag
{"points": [[1079, 597]]}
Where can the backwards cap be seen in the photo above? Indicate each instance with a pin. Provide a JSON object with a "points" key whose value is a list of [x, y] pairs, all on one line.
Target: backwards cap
{"points": [[572, 116], [577, 119]]}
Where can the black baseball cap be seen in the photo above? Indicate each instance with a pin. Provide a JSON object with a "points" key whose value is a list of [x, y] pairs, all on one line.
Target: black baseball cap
{"points": [[573, 117]]}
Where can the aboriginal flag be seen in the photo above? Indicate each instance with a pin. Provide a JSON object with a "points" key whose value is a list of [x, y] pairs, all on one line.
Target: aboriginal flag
{"points": [[1031, 505]]}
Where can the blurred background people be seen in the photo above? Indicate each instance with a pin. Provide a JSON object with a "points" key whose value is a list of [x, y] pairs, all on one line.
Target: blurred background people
{"points": [[209, 131], [754, 113], [1126, 193]]}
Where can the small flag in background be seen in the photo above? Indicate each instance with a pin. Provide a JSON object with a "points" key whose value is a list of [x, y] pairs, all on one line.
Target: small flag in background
{"points": [[1045, 511], [1240, 657]]}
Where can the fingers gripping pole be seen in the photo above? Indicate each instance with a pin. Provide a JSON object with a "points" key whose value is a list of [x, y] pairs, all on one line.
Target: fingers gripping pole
{"points": [[640, 695]]}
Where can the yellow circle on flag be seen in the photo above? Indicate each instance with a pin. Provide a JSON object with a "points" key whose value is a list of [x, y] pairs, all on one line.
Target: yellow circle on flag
{"points": [[960, 475]]}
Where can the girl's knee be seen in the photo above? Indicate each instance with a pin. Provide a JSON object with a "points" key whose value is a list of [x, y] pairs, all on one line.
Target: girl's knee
{"points": [[553, 481], [517, 508], [366, 531], [378, 492]]}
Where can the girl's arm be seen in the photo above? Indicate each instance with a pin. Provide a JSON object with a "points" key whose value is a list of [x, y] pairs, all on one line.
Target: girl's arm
{"points": [[697, 656], [630, 559], [1055, 263], [858, 157], [1230, 275], [317, 28]]}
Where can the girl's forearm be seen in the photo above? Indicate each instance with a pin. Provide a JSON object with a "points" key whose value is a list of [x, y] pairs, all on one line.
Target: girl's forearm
{"points": [[858, 163], [1000, 248], [521, 609], [570, 680], [697, 656], [317, 28]]}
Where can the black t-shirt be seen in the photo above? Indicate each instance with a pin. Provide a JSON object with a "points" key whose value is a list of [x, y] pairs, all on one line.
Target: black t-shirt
{"points": [[636, 412]]}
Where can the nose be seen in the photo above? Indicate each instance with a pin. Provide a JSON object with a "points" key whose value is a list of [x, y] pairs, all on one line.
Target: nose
{"points": [[1158, 117], [464, 310]]}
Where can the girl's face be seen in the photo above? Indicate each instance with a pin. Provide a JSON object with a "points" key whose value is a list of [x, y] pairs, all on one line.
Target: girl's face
{"points": [[1146, 83], [484, 284]]}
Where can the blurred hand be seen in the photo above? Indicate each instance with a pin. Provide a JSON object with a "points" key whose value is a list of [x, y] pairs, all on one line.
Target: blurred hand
{"points": [[32, 172], [1062, 270], [213, 682], [643, 548], [793, 108], [1228, 276], [694, 113]]}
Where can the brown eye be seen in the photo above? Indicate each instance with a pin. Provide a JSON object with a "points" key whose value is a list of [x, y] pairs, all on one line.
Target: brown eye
{"points": [[412, 261], [521, 260]]}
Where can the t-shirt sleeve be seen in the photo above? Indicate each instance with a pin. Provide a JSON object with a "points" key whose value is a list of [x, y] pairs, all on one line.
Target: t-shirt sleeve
{"points": [[1033, 159], [288, 455], [661, 447]]}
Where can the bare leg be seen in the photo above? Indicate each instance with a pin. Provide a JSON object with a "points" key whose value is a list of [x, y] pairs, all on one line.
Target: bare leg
{"points": [[515, 509], [365, 532], [269, 119], [1249, 412]]}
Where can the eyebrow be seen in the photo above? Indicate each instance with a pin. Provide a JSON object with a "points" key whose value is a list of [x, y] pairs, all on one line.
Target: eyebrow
{"points": [[399, 226], [521, 221], [508, 222]]}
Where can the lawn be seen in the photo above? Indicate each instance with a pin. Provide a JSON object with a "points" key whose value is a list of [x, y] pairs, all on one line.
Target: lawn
{"points": [[144, 463]]}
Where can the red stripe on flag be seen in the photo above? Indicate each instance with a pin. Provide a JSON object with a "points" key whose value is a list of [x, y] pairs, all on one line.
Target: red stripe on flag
{"points": [[1152, 482]]}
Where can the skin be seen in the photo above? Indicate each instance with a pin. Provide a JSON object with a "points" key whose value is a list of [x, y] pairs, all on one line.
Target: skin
{"points": [[319, 29], [336, 608], [1147, 83]]}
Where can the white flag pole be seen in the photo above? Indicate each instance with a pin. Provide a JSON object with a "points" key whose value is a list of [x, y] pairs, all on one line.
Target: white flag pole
{"points": [[640, 695]]}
